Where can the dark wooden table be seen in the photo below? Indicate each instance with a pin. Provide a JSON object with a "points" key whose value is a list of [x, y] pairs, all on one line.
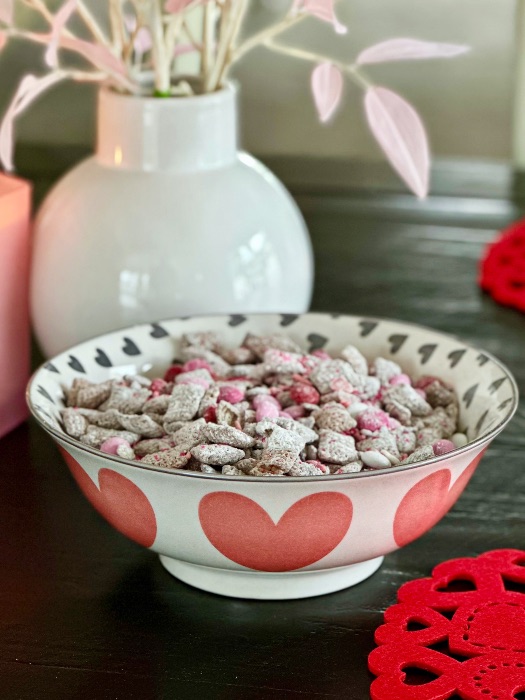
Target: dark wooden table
{"points": [[84, 613]]}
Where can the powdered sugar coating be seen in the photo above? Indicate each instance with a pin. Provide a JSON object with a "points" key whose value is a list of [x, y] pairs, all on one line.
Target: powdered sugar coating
{"points": [[267, 408]]}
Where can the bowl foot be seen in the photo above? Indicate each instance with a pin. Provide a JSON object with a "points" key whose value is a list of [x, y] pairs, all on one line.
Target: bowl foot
{"points": [[261, 585]]}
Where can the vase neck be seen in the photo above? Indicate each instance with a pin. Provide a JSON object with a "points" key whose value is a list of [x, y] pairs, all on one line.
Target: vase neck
{"points": [[181, 134]]}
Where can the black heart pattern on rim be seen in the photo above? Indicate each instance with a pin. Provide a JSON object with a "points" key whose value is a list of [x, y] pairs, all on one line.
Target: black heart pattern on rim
{"points": [[41, 412], [130, 348], [236, 320], [51, 367], [480, 422], [496, 385], [455, 356], [396, 342], [503, 405], [158, 331], [469, 395], [102, 359], [482, 359], [45, 393], [316, 341], [426, 352], [75, 364], [288, 319], [367, 327]]}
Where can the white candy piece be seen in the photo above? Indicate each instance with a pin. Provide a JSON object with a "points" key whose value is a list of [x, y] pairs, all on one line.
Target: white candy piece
{"points": [[374, 459], [459, 439], [357, 408]]}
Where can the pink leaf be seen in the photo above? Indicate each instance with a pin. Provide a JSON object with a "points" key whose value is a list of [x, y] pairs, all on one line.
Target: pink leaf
{"points": [[59, 22], [322, 9], [6, 11], [176, 6], [407, 50], [182, 49], [327, 88], [3, 40], [29, 89], [99, 56], [142, 42], [401, 134]]}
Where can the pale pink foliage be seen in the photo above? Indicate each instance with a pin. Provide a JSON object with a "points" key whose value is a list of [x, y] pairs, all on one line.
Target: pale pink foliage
{"points": [[408, 50], [327, 88], [3, 40], [323, 10], [59, 22], [29, 89], [176, 6], [142, 42], [6, 11], [401, 134], [98, 55]]}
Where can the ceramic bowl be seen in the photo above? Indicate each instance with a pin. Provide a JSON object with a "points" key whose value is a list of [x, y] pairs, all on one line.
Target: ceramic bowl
{"points": [[267, 537]]}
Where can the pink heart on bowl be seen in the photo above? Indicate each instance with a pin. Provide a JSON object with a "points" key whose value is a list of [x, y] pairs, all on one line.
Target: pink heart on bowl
{"points": [[119, 501], [244, 532], [428, 501]]}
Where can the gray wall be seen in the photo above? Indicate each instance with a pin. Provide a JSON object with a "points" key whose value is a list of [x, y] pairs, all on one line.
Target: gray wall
{"points": [[466, 102]]}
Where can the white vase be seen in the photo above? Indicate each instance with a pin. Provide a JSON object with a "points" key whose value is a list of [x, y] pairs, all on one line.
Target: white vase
{"points": [[167, 219]]}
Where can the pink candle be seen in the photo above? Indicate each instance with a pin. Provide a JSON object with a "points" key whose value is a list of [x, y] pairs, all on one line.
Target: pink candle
{"points": [[15, 203]]}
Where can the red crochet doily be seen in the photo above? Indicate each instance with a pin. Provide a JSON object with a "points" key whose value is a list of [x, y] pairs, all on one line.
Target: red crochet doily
{"points": [[502, 270], [459, 634]]}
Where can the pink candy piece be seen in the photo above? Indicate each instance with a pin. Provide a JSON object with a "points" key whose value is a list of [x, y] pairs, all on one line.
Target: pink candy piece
{"points": [[196, 363], [423, 382], [158, 386], [374, 419], [304, 393], [172, 372], [232, 394], [295, 412], [441, 447], [401, 379], [266, 410], [110, 445], [266, 407], [321, 354], [199, 381]]}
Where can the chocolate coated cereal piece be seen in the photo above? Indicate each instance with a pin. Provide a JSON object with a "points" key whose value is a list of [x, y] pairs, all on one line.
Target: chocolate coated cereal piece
{"points": [[184, 402], [168, 459], [259, 344], [127, 400], [74, 423], [190, 434], [231, 470], [226, 435], [333, 416], [158, 404], [355, 359], [148, 447], [95, 436], [144, 425], [336, 448], [217, 454]]}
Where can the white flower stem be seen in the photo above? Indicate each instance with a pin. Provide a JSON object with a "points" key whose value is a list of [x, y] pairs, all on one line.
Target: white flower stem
{"points": [[350, 69], [266, 34], [160, 59], [92, 24]]}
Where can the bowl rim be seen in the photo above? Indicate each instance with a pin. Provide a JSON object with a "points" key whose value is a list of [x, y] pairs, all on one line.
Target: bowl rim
{"points": [[478, 442]]}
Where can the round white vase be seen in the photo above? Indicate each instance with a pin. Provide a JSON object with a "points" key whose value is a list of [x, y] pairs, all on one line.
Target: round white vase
{"points": [[167, 219]]}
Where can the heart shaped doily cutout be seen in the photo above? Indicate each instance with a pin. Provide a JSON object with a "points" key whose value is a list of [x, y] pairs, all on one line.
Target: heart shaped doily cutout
{"points": [[459, 633]]}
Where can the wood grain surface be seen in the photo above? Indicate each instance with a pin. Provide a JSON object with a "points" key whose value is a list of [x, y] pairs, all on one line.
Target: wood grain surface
{"points": [[86, 614]]}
